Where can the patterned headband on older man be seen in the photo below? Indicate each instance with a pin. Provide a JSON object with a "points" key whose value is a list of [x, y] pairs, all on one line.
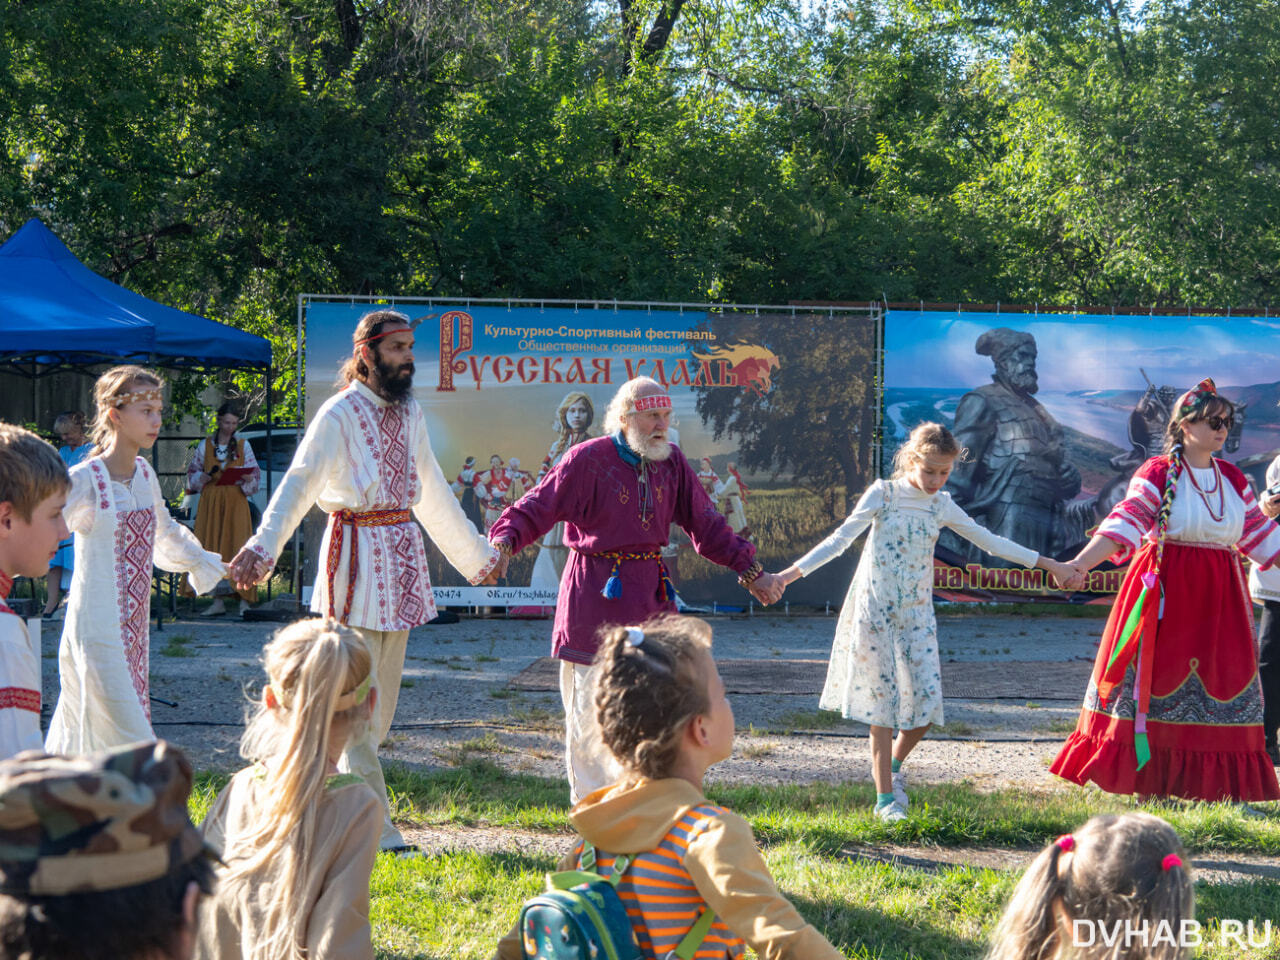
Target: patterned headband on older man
{"points": [[1195, 398], [657, 401]]}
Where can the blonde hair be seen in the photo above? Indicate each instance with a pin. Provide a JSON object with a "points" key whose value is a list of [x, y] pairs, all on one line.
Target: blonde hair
{"points": [[30, 470], [1112, 870], [623, 403], [926, 439], [647, 693], [311, 666], [114, 383], [561, 424]]}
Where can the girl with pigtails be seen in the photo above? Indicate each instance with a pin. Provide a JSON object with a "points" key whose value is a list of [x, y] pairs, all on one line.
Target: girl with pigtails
{"points": [[1174, 706], [1118, 888]]}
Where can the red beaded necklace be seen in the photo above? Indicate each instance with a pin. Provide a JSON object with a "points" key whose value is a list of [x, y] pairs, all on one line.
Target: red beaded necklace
{"points": [[1217, 488]]}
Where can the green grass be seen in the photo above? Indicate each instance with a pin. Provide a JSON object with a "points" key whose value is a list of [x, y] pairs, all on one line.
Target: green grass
{"points": [[459, 904], [456, 905], [178, 647]]}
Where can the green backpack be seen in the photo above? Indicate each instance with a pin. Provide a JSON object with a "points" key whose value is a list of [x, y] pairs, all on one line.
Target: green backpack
{"points": [[582, 917]]}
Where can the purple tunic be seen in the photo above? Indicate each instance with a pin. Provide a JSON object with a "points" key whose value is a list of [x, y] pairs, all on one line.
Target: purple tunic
{"points": [[598, 495]]}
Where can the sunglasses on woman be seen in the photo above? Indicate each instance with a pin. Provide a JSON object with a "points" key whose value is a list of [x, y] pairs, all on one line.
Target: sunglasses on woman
{"points": [[1219, 423]]}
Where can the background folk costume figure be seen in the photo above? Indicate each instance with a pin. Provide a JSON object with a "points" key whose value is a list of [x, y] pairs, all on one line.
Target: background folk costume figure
{"points": [[464, 486], [122, 528], [884, 668], [224, 471], [709, 479], [491, 490], [1174, 707], [733, 493], [1264, 587], [617, 496], [69, 427], [574, 417], [33, 491], [298, 838], [366, 460]]}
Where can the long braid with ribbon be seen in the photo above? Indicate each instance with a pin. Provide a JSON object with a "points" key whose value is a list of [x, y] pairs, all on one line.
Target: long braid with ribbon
{"points": [[1166, 502]]}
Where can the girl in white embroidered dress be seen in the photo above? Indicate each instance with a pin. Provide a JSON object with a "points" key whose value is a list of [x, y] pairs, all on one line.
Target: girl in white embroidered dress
{"points": [[884, 668], [122, 528]]}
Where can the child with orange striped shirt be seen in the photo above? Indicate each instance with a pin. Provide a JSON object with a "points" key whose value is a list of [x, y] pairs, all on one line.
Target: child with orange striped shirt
{"points": [[663, 713]]}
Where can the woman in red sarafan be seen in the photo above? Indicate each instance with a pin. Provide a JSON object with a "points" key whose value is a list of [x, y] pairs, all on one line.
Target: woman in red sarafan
{"points": [[1174, 706]]}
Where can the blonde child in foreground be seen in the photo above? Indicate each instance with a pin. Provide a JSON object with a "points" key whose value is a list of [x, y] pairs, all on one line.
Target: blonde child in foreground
{"points": [[33, 490], [663, 714], [297, 838], [1124, 875], [884, 668], [122, 528]]}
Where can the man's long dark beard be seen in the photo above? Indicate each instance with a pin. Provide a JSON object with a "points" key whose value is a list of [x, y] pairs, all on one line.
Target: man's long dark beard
{"points": [[393, 383]]}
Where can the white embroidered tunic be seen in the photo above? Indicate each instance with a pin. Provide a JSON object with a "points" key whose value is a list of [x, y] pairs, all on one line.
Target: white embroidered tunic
{"points": [[19, 683], [362, 453], [121, 531]]}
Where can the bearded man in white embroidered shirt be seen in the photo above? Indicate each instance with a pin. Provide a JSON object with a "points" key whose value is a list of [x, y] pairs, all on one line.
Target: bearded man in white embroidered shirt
{"points": [[366, 460]]}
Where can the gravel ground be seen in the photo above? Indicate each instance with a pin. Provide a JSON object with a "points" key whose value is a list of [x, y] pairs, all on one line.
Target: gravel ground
{"points": [[455, 690]]}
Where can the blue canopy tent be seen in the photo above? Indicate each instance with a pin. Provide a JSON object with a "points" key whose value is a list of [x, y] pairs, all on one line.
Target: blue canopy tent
{"points": [[55, 312], [58, 315]]}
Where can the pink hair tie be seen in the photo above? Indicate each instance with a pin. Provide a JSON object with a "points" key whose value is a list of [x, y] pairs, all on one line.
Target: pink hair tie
{"points": [[1066, 843], [1171, 861]]}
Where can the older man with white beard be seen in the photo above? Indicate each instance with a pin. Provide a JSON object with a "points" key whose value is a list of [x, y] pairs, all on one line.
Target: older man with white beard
{"points": [[618, 495]]}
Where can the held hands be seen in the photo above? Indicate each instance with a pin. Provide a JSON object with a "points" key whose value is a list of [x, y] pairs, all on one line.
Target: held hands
{"points": [[1068, 576], [767, 588], [247, 569]]}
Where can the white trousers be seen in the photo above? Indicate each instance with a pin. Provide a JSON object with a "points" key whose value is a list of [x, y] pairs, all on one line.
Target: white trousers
{"points": [[587, 760], [361, 755]]}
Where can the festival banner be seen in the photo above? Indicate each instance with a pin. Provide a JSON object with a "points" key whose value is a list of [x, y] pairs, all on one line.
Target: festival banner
{"points": [[774, 408], [1057, 412]]}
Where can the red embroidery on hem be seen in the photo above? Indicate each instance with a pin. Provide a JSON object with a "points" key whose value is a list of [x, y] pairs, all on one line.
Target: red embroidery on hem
{"points": [[20, 698]]}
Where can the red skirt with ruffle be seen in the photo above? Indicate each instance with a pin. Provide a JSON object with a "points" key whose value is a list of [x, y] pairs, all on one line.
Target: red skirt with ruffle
{"points": [[1204, 727]]}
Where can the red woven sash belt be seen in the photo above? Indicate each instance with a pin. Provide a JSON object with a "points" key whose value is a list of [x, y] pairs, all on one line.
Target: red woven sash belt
{"points": [[338, 523]]}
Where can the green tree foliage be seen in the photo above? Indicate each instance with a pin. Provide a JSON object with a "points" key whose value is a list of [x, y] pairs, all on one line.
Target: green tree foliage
{"points": [[225, 157]]}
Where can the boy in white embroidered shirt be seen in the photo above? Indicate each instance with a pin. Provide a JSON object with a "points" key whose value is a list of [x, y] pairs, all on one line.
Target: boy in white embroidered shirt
{"points": [[33, 491]]}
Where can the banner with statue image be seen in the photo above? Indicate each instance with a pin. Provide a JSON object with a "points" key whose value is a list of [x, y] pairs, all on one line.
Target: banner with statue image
{"points": [[1057, 412], [774, 408]]}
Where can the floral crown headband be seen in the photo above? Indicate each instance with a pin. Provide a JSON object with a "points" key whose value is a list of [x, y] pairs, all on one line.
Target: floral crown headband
{"points": [[137, 396], [1195, 398]]}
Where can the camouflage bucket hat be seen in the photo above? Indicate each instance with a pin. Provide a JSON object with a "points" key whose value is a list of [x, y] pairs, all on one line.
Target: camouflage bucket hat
{"points": [[81, 824]]}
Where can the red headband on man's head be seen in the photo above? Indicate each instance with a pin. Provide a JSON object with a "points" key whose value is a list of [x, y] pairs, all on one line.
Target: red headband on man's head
{"points": [[384, 333], [657, 401]]}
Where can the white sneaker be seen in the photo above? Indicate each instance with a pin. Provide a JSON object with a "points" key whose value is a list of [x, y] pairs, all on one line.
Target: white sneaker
{"points": [[891, 812], [900, 790]]}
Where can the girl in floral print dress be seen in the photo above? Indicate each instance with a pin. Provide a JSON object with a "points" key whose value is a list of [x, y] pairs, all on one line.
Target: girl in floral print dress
{"points": [[122, 527], [884, 662]]}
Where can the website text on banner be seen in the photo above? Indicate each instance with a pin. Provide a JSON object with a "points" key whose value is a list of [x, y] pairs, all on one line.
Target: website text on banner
{"points": [[1057, 412], [775, 410]]}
